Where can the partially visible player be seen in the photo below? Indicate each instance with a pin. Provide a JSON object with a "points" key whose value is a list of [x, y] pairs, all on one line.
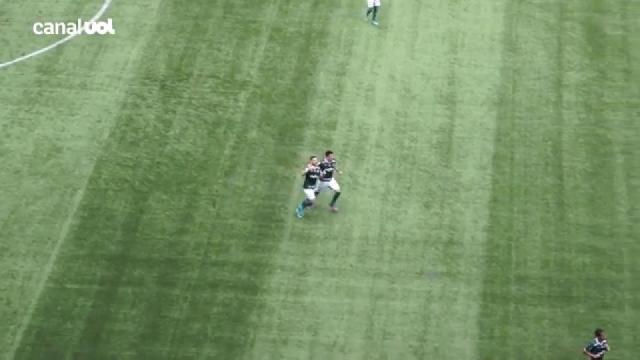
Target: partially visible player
{"points": [[372, 7], [596, 348], [311, 175], [327, 180]]}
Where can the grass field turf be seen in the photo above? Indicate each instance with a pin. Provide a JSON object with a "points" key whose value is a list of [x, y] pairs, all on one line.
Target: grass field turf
{"points": [[491, 161]]}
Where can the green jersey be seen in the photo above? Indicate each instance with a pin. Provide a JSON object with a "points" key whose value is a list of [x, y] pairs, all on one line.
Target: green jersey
{"points": [[311, 175], [596, 346]]}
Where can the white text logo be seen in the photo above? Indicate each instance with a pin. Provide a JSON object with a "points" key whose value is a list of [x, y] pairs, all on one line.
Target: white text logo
{"points": [[74, 28]]}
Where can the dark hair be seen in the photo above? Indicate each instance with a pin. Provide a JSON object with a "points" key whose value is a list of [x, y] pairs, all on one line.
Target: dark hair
{"points": [[598, 332], [312, 157], [328, 152]]}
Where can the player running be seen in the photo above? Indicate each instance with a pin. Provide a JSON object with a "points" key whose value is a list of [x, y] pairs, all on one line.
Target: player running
{"points": [[372, 7], [311, 175], [327, 181], [597, 347]]}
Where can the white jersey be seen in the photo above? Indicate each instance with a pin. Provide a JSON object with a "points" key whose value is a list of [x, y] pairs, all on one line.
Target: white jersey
{"points": [[372, 3]]}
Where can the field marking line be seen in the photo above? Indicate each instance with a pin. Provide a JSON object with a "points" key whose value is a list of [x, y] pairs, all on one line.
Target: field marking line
{"points": [[64, 231], [97, 16]]}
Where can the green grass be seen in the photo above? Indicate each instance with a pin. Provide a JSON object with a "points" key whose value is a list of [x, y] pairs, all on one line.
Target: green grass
{"points": [[490, 188]]}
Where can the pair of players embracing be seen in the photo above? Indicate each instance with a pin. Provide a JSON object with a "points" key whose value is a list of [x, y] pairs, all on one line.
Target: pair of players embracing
{"points": [[319, 177]]}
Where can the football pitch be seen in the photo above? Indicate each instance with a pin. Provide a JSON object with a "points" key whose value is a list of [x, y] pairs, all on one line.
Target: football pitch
{"points": [[490, 152]]}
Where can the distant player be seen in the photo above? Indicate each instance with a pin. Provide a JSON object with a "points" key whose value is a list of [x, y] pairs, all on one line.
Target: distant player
{"points": [[311, 175], [327, 180], [372, 7], [596, 348]]}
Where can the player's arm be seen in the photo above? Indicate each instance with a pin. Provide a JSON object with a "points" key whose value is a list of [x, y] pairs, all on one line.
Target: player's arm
{"points": [[305, 171], [591, 355]]}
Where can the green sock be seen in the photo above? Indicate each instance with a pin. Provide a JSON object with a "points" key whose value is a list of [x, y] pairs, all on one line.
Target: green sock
{"points": [[335, 198]]}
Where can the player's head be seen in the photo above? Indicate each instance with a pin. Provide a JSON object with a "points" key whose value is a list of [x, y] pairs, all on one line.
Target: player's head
{"points": [[599, 333], [313, 160], [329, 154]]}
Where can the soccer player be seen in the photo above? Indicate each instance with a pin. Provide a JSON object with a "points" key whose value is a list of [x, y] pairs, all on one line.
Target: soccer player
{"points": [[372, 7], [311, 175], [327, 181], [597, 347]]}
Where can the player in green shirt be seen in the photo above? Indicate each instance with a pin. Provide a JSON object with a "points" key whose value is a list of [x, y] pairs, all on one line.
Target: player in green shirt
{"points": [[597, 347], [311, 174]]}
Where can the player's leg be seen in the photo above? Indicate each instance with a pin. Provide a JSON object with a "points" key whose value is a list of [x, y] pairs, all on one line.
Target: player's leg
{"points": [[316, 192], [376, 7], [370, 4], [309, 197], [322, 186], [333, 184]]}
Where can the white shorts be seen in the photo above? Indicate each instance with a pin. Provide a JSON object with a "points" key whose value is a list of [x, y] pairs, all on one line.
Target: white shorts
{"points": [[372, 3], [310, 194], [331, 184]]}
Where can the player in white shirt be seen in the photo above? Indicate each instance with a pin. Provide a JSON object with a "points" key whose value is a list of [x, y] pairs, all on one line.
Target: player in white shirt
{"points": [[372, 7]]}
